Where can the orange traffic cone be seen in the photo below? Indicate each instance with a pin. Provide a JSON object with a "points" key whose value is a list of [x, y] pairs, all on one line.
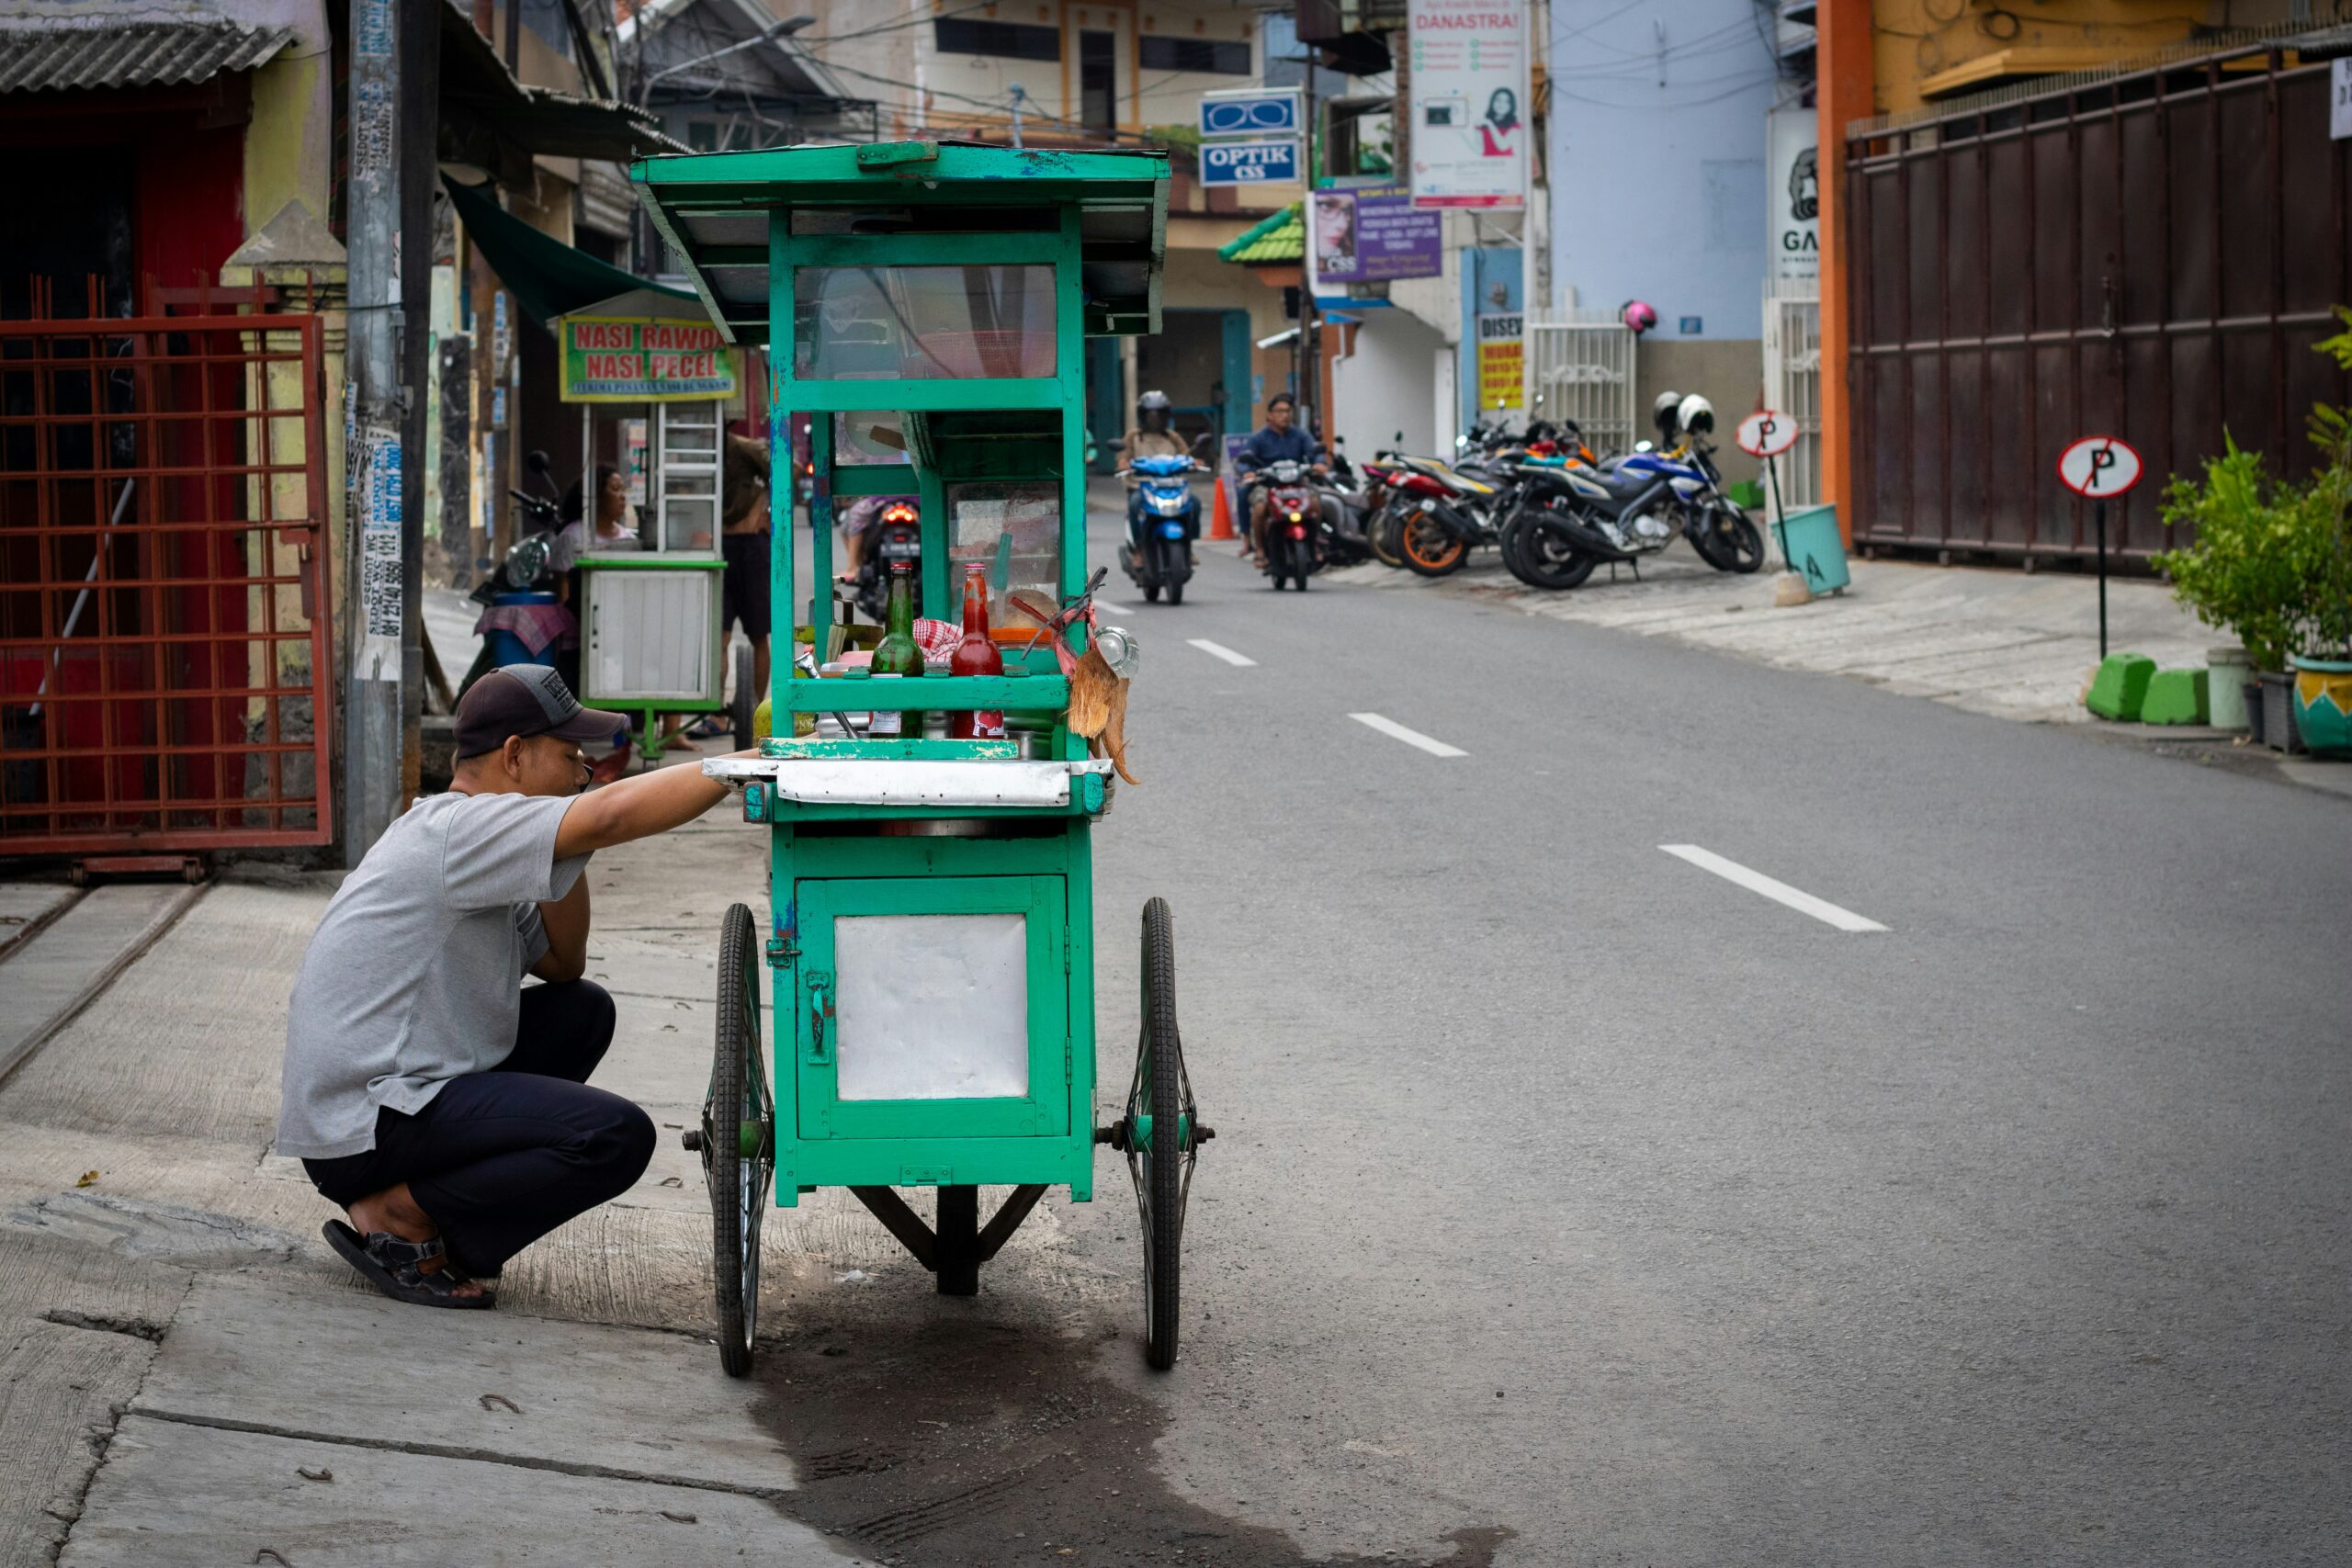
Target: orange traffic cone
{"points": [[1221, 518]]}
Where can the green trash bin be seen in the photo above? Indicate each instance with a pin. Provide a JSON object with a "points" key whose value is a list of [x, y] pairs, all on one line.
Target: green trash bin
{"points": [[1810, 543]]}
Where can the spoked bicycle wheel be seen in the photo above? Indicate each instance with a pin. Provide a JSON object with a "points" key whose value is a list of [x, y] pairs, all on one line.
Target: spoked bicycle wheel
{"points": [[738, 1140], [1162, 1135]]}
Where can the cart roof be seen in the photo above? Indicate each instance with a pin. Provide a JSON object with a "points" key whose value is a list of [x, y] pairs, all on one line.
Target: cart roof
{"points": [[713, 208]]}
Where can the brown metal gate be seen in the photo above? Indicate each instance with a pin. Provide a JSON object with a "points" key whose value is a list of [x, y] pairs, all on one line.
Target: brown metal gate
{"points": [[2150, 255], [165, 673]]}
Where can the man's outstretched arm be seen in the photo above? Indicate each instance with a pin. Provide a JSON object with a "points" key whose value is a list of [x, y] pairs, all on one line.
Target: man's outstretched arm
{"points": [[637, 807]]}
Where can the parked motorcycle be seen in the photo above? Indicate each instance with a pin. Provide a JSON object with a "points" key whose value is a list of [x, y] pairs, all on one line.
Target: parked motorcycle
{"points": [[1162, 562], [527, 567], [1568, 520], [1434, 516], [1345, 505]]}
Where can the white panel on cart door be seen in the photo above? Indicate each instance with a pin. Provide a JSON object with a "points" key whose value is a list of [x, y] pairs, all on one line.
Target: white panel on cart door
{"points": [[649, 634], [931, 1007]]}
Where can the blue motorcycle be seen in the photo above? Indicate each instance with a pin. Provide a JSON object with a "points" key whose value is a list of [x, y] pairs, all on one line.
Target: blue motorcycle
{"points": [[1163, 517]]}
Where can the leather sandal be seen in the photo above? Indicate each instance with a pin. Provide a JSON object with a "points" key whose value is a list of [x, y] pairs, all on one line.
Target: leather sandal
{"points": [[392, 1266]]}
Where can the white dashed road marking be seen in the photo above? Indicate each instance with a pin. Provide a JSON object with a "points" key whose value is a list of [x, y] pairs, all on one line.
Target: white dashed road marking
{"points": [[1218, 650], [1779, 892], [1396, 731]]}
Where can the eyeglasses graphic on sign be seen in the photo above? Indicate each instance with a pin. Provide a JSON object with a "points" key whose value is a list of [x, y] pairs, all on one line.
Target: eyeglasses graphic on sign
{"points": [[1258, 115]]}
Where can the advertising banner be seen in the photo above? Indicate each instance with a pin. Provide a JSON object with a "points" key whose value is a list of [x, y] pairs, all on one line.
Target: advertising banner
{"points": [[1792, 195], [1249, 163], [611, 359], [1469, 120], [1502, 359], [1373, 234]]}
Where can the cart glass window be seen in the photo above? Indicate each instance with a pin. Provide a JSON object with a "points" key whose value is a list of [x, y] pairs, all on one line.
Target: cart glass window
{"points": [[1019, 524], [869, 439], [932, 1007], [922, 323]]}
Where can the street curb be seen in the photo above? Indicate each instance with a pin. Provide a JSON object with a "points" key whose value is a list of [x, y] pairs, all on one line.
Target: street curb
{"points": [[106, 974]]}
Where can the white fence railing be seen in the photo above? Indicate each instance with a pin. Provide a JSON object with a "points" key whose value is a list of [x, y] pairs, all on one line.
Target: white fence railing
{"points": [[1792, 381], [1582, 368]]}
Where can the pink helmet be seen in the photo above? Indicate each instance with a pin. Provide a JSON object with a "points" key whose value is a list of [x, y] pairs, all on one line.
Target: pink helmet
{"points": [[1639, 314]]}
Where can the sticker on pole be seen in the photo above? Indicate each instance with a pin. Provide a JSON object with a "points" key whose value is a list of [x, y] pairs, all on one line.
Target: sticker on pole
{"points": [[1767, 433], [2098, 466]]}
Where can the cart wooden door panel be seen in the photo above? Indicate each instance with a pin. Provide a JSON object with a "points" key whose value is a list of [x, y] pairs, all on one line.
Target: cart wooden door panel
{"points": [[932, 1007]]}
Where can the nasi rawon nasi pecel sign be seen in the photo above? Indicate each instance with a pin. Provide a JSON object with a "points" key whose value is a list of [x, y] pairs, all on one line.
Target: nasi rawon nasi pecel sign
{"points": [[616, 359]]}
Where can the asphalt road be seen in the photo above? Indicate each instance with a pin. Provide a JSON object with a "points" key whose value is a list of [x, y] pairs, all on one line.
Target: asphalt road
{"points": [[1572, 1203]]}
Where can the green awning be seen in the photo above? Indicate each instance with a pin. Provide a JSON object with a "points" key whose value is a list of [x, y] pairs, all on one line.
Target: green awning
{"points": [[1272, 241], [547, 276]]}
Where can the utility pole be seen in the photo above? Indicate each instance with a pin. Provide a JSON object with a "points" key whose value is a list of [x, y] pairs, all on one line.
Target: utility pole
{"points": [[1310, 393], [394, 87]]}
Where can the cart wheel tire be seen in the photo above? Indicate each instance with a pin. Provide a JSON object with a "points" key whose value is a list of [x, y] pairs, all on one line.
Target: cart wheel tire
{"points": [[957, 1241], [746, 701], [740, 1182], [1161, 1167]]}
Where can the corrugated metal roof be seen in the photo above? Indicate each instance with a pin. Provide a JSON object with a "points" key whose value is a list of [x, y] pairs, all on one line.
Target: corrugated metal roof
{"points": [[65, 57], [1276, 238]]}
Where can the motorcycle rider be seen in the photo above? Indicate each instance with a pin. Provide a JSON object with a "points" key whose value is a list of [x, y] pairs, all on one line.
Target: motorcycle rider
{"points": [[1152, 437], [1280, 441]]}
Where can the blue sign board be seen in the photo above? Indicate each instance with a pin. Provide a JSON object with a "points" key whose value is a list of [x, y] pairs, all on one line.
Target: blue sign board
{"points": [[1275, 112], [1249, 163]]}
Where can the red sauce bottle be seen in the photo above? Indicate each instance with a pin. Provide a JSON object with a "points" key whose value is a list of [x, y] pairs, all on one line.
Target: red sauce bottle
{"points": [[976, 655]]}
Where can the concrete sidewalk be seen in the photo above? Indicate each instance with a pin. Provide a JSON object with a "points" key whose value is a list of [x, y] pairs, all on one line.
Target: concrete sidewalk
{"points": [[187, 1376], [2011, 644]]}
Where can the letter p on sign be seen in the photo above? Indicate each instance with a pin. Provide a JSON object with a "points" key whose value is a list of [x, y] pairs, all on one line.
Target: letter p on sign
{"points": [[2098, 466]]}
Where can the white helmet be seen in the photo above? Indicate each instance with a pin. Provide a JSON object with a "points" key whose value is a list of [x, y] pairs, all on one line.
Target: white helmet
{"points": [[1697, 414]]}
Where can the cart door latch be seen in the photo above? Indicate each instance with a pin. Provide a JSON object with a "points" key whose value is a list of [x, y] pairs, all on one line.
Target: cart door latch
{"points": [[782, 950], [821, 1012]]}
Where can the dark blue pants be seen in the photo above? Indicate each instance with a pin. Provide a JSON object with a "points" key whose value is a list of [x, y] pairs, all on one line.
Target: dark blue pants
{"points": [[499, 1159]]}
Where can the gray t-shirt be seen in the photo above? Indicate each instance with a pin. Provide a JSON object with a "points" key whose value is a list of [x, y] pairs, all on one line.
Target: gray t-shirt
{"points": [[415, 975]]}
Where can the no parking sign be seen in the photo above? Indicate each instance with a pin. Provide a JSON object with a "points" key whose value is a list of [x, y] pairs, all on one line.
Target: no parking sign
{"points": [[2098, 466], [1767, 433]]}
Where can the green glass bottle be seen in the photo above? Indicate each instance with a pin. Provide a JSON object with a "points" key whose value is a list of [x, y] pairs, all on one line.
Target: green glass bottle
{"points": [[898, 654]]}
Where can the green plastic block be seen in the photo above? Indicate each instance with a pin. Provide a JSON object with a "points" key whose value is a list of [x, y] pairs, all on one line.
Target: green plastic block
{"points": [[2177, 697], [1747, 494], [2121, 687]]}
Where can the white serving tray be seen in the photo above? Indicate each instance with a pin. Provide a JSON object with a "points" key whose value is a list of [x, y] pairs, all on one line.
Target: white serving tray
{"points": [[879, 780]]}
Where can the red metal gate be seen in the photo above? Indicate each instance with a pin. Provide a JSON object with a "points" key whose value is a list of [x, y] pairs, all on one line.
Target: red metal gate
{"points": [[165, 670], [2150, 255]]}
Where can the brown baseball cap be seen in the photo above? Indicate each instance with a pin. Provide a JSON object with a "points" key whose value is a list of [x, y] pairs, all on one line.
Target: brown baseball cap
{"points": [[527, 700]]}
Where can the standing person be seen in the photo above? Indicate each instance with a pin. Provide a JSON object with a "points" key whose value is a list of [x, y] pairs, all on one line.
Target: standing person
{"points": [[1150, 437], [743, 593], [1280, 441], [444, 1107], [743, 538]]}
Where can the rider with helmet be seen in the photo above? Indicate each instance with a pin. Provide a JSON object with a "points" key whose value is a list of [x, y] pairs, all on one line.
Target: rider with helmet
{"points": [[1151, 437]]}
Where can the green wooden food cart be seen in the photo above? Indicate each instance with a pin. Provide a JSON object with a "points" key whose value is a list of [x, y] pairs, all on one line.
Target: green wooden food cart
{"points": [[930, 940], [651, 380]]}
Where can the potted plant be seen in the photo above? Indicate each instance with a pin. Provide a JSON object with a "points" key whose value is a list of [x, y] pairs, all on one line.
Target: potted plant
{"points": [[2272, 562]]}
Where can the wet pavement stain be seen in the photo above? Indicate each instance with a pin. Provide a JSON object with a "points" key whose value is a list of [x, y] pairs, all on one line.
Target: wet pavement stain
{"points": [[965, 1444]]}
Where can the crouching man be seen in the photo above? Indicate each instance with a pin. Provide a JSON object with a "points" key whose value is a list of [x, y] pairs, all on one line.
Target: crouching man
{"points": [[445, 1107]]}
